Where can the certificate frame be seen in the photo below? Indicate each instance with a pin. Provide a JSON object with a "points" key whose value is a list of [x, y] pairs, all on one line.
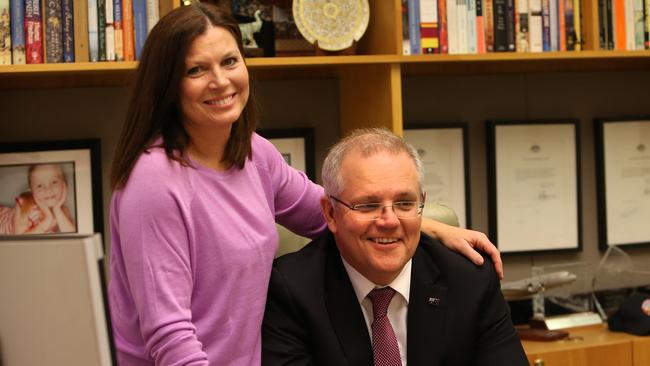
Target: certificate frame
{"points": [[451, 183], [79, 162], [534, 186], [623, 180], [296, 146]]}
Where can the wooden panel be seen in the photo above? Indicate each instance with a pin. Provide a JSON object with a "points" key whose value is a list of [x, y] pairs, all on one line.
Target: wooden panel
{"points": [[641, 351], [601, 355], [370, 96], [383, 35]]}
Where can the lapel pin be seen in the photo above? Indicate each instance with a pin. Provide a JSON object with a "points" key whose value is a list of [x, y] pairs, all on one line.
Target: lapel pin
{"points": [[434, 301]]}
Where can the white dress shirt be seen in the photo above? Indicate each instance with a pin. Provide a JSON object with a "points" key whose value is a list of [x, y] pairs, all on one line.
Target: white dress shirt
{"points": [[398, 308]]}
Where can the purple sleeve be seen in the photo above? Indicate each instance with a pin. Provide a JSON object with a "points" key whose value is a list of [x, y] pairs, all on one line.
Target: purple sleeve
{"points": [[155, 245], [296, 199]]}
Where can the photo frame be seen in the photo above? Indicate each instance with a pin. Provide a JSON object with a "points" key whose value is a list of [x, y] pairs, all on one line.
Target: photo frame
{"points": [[444, 150], [534, 186], [623, 180], [296, 146], [62, 177]]}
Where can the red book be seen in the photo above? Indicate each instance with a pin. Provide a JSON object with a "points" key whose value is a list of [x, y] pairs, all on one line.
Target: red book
{"points": [[33, 32], [442, 26]]}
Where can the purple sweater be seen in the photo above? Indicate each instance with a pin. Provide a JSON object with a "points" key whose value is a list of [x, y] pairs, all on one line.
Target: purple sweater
{"points": [[191, 256]]}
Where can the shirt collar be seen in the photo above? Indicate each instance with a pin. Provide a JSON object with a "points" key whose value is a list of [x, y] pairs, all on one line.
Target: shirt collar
{"points": [[362, 286]]}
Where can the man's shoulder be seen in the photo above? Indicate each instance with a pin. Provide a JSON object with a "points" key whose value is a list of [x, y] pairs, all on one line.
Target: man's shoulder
{"points": [[452, 264], [306, 262]]}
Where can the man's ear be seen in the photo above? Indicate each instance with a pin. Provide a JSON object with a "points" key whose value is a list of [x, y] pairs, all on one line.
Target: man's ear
{"points": [[328, 213]]}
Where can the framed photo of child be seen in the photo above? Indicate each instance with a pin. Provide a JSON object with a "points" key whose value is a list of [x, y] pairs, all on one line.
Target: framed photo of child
{"points": [[51, 187]]}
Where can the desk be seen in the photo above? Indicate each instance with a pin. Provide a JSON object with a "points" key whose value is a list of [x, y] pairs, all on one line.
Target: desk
{"points": [[590, 346]]}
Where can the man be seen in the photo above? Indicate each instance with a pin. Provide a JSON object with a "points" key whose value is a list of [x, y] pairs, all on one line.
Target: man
{"points": [[322, 308]]}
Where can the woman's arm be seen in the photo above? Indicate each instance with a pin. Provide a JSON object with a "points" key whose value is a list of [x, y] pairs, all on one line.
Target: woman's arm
{"points": [[464, 241]]}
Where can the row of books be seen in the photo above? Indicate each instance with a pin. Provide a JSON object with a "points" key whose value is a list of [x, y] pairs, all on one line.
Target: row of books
{"points": [[480, 26], [52, 31], [624, 24]]}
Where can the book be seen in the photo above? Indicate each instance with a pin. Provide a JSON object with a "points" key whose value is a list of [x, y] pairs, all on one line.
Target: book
{"points": [[18, 32], [488, 18], [510, 25], [546, 25], [406, 43], [33, 32], [561, 19], [117, 24], [610, 25], [80, 22], [5, 33], [414, 26], [480, 27], [462, 27], [568, 23], [109, 31], [500, 21], [128, 39], [629, 25], [429, 27], [577, 25], [639, 25], [67, 14], [646, 24], [471, 27], [523, 39], [101, 29], [153, 14], [535, 26], [618, 12], [442, 26], [554, 34], [139, 25], [452, 27], [93, 32]]}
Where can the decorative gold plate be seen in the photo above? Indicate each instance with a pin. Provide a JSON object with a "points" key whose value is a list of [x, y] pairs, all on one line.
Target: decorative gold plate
{"points": [[334, 24]]}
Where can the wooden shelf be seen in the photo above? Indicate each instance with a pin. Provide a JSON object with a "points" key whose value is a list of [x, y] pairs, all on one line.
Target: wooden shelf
{"points": [[119, 73]]}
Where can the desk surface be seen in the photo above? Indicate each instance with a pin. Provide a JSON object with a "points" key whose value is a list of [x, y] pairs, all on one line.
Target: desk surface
{"points": [[590, 336]]}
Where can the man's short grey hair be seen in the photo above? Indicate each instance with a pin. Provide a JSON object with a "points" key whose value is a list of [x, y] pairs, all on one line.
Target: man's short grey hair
{"points": [[367, 141]]}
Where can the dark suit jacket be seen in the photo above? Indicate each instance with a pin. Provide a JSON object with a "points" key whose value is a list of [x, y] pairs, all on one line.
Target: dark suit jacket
{"points": [[456, 313]]}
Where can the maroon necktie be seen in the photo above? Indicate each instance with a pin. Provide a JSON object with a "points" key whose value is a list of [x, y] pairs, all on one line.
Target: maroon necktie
{"points": [[384, 343]]}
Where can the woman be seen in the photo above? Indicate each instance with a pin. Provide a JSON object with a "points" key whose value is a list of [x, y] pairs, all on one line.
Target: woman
{"points": [[197, 195]]}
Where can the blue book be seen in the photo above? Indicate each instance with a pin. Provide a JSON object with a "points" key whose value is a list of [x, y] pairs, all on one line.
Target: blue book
{"points": [[68, 31], [139, 25], [18, 32], [414, 26]]}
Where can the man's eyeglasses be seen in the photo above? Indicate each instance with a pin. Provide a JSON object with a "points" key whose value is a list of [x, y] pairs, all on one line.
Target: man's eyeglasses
{"points": [[373, 211]]}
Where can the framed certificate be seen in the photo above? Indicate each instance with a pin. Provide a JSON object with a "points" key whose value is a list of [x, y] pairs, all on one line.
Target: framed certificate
{"points": [[443, 150], [534, 186], [296, 146], [623, 181]]}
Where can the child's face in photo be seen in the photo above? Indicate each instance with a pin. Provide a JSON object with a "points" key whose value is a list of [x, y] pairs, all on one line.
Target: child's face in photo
{"points": [[47, 183]]}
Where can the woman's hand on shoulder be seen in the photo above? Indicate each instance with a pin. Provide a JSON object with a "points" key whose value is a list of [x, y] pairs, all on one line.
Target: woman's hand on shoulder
{"points": [[465, 242]]}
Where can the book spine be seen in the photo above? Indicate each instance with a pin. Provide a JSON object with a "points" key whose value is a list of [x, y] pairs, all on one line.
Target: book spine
{"points": [[429, 27], [619, 20], [53, 31], [93, 31], [414, 25], [33, 32], [553, 24], [442, 26], [110, 31], [577, 26], [646, 24], [523, 41], [80, 15], [546, 25], [101, 29], [602, 24], [452, 27], [68, 30], [18, 32], [535, 27], [488, 17], [128, 39], [561, 18], [117, 23], [510, 25], [639, 25], [610, 25], [461, 26], [5, 33], [570, 29], [500, 32], [480, 27], [139, 25], [629, 25], [471, 27], [153, 14]]}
